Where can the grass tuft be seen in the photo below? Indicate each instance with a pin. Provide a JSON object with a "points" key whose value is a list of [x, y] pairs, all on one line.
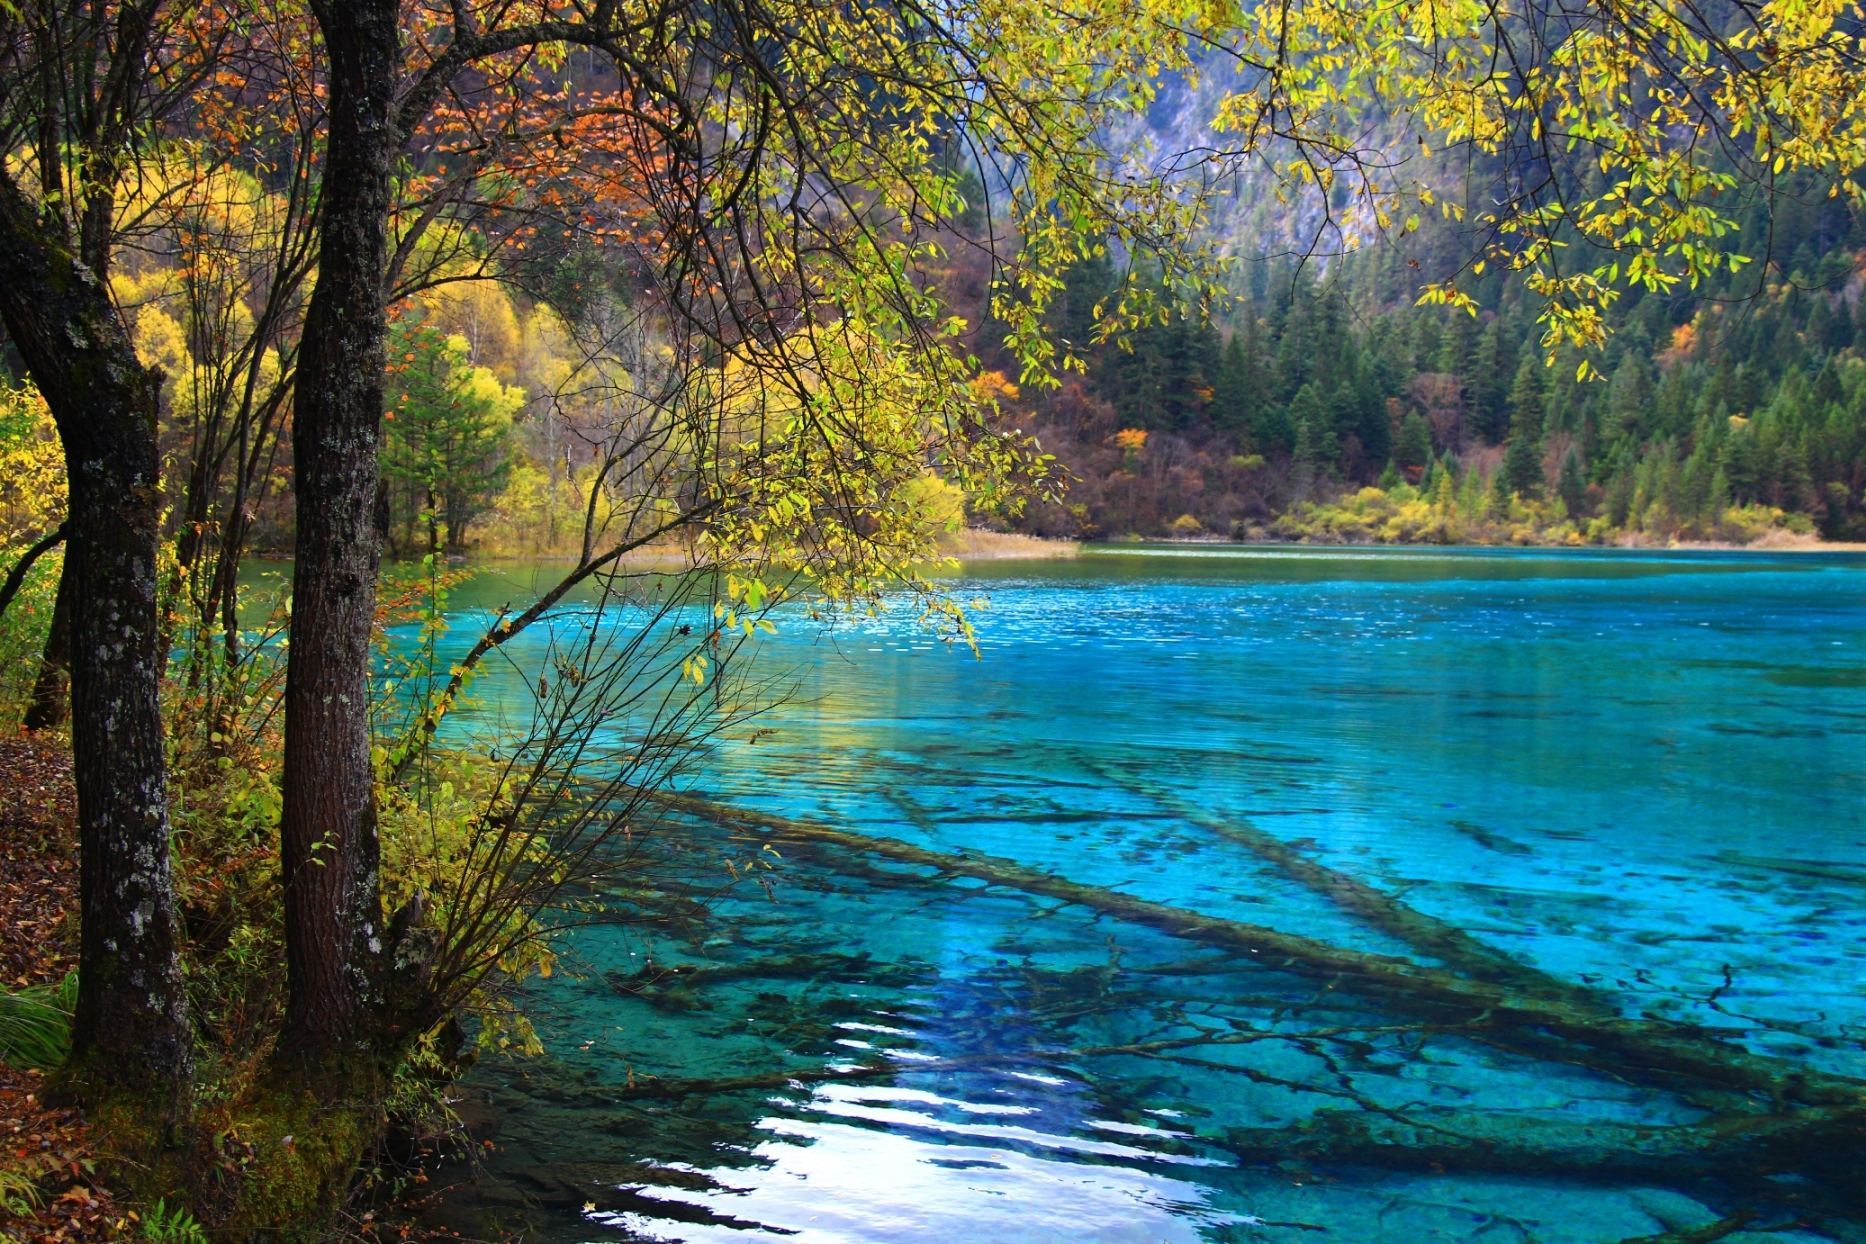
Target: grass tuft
{"points": [[35, 1024]]}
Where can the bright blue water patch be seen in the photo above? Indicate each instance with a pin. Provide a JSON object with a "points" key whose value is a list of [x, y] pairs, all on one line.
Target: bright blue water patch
{"points": [[1642, 774]]}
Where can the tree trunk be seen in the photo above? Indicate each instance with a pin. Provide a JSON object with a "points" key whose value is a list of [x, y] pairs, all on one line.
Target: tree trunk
{"points": [[458, 516], [131, 1027], [191, 536], [51, 690], [225, 597], [16, 577], [333, 909]]}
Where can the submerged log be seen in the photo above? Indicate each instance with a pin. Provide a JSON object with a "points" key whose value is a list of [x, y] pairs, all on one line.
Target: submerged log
{"points": [[679, 986], [1822, 1141], [1730, 1160], [1706, 1234], [1428, 935], [669, 1088], [1516, 1013]]}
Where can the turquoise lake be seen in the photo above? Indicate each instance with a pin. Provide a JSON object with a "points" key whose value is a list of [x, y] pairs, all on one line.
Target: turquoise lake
{"points": [[1640, 777]]}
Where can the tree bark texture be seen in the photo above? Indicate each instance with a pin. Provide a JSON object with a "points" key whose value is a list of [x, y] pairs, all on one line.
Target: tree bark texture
{"points": [[333, 909], [132, 1025]]}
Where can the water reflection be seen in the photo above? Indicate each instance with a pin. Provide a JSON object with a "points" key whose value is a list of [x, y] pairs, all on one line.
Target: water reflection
{"points": [[825, 1180]]}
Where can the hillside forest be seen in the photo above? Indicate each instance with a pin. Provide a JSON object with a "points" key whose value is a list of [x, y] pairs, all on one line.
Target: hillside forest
{"points": [[1313, 401], [1320, 403]]}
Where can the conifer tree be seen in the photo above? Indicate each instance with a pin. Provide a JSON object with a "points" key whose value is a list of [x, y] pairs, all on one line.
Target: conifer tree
{"points": [[1572, 488], [447, 435], [1412, 449]]}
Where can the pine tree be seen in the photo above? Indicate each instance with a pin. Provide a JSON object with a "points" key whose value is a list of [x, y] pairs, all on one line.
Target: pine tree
{"points": [[1316, 443], [1315, 450], [1740, 466], [1231, 399], [1719, 500], [1443, 493], [1412, 449], [1488, 391], [1522, 462], [1571, 487], [448, 435], [1619, 498], [1798, 491], [1526, 397], [1629, 398]]}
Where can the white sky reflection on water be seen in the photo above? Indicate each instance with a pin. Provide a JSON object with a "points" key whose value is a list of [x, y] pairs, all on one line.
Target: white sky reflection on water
{"points": [[830, 1183]]}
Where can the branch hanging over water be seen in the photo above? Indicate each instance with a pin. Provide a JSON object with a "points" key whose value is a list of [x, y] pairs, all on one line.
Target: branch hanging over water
{"points": [[504, 627]]}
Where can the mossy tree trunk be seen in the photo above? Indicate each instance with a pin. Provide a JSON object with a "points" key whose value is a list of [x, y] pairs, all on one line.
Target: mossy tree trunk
{"points": [[132, 1028]]}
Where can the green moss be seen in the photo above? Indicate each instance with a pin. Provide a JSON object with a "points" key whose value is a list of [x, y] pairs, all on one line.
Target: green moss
{"points": [[277, 1165], [288, 1157]]}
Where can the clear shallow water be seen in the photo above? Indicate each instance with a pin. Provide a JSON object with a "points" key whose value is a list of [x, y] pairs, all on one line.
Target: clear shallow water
{"points": [[1646, 775]]}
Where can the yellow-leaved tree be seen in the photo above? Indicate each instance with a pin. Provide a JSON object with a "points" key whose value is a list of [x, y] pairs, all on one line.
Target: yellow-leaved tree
{"points": [[1614, 140], [32, 516]]}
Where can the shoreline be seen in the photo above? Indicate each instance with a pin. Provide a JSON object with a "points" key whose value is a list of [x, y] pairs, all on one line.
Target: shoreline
{"points": [[969, 544], [1774, 542], [978, 545]]}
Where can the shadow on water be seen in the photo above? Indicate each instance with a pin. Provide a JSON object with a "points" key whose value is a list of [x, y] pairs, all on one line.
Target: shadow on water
{"points": [[1427, 903]]}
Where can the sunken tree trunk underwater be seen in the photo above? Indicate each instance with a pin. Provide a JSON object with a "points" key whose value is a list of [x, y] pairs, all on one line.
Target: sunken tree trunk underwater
{"points": [[1764, 1115], [131, 1029]]}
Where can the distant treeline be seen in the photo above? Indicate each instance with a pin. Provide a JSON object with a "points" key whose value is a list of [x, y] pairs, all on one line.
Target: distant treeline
{"points": [[1324, 404]]}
